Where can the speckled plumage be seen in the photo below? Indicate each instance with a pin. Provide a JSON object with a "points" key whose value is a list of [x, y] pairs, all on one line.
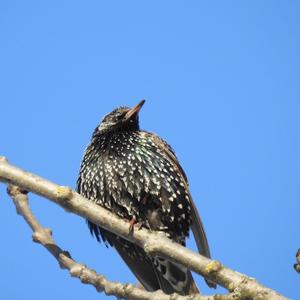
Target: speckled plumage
{"points": [[136, 175]]}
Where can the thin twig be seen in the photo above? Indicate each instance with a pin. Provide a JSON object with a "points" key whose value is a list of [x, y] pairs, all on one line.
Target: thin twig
{"points": [[152, 243], [297, 264], [43, 236]]}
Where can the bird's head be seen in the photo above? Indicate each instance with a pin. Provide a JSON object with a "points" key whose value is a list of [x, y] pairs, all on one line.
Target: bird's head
{"points": [[120, 119]]}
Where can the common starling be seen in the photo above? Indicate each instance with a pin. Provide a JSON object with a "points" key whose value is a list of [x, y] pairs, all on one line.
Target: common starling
{"points": [[136, 175]]}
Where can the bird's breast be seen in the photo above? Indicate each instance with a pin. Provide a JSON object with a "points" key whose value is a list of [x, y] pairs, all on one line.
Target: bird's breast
{"points": [[132, 177]]}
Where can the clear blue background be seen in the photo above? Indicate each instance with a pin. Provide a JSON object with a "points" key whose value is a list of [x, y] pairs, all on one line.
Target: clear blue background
{"points": [[221, 80]]}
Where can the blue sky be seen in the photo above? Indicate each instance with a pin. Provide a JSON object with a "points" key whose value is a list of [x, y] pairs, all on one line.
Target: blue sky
{"points": [[221, 80]]}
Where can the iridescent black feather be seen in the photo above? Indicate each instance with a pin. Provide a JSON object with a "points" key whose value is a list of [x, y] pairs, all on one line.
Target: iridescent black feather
{"points": [[136, 175]]}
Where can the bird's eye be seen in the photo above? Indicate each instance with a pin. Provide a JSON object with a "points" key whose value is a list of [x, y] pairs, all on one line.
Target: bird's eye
{"points": [[118, 118], [121, 116]]}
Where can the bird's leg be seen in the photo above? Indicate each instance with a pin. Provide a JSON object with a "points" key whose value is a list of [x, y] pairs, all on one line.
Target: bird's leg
{"points": [[132, 222]]}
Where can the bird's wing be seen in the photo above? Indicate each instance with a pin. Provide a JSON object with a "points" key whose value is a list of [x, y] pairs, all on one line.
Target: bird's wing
{"points": [[197, 225]]}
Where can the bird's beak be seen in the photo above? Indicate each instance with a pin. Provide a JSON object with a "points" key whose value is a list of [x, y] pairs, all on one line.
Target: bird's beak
{"points": [[134, 110]]}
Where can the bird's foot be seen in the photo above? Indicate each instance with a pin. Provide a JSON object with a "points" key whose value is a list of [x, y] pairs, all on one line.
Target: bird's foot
{"points": [[134, 223]]}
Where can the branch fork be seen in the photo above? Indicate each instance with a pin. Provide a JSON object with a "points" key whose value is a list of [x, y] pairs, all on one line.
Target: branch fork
{"points": [[19, 181]]}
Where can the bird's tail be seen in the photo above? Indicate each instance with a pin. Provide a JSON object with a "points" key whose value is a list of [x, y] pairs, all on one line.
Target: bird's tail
{"points": [[153, 272], [174, 278]]}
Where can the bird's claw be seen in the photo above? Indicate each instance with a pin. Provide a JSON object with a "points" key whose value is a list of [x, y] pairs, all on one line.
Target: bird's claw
{"points": [[140, 225], [133, 222]]}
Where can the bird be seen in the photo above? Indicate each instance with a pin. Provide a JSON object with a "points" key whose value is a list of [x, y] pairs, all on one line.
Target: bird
{"points": [[136, 175]]}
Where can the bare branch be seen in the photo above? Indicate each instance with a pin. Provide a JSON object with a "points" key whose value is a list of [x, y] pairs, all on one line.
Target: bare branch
{"points": [[152, 243], [43, 236]]}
